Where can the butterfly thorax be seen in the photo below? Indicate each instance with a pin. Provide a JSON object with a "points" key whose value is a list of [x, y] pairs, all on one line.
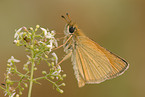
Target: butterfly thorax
{"points": [[71, 44]]}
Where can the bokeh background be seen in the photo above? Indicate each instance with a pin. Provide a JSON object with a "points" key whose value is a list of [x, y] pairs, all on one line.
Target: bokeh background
{"points": [[118, 25]]}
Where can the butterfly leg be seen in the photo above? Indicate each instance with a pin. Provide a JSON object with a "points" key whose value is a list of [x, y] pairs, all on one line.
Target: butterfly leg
{"points": [[64, 43], [60, 38], [65, 57]]}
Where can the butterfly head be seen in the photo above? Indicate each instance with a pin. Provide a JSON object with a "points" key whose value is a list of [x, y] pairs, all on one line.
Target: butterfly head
{"points": [[70, 27]]}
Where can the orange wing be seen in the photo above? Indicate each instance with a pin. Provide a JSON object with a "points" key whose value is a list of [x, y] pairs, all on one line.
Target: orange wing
{"points": [[94, 64]]}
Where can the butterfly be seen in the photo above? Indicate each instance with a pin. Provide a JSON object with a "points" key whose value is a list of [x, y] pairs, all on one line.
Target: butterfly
{"points": [[92, 63]]}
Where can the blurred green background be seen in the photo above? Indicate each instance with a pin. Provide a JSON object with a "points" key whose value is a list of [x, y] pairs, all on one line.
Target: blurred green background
{"points": [[118, 25]]}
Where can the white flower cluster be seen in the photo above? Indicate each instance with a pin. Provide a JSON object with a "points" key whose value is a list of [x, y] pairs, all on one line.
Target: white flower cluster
{"points": [[49, 35], [18, 35], [11, 62], [40, 46]]}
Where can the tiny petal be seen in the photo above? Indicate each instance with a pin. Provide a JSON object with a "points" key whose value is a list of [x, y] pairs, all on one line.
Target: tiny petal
{"points": [[9, 60], [6, 93], [28, 62], [49, 35], [8, 71], [16, 34], [25, 67], [40, 42], [45, 31], [28, 57], [13, 59], [56, 58], [53, 32], [50, 45], [59, 69], [13, 94], [57, 72]]}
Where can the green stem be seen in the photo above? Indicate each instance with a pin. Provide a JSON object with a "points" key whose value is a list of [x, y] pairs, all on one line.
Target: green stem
{"points": [[31, 79], [32, 66]]}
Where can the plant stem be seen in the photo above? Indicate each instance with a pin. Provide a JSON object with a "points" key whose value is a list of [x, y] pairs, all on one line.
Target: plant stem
{"points": [[31, 80], [32, 66], [31, 76]]}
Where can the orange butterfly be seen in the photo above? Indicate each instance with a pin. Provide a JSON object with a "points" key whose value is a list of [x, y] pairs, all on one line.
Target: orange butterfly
{"points": [[91, 62]]}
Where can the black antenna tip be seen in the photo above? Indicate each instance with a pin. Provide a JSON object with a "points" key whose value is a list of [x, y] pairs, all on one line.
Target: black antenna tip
{"points": [[62, 16]]}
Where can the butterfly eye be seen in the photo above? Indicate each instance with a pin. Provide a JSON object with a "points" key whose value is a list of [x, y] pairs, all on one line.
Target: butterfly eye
{"points": [[71, 29]]}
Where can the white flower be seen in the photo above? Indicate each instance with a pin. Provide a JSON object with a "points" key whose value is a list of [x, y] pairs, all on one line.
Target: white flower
{"points": [[56, 58], [45, 31], [50, 45], [52, 42], [6, 93], [17, 32], [47, 34], [28, 57], [40, 42], [25, 67], [57, 71], [13, 94], [8, 71], [53, 32], [13, 59]]}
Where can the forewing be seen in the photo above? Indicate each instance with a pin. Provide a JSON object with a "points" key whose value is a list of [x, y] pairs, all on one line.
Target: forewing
{"points": [[93, 63]]}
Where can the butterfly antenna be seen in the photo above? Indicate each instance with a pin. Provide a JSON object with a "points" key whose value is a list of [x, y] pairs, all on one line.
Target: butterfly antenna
{"points": [[67, 20], [68, 16], [64, 18]]}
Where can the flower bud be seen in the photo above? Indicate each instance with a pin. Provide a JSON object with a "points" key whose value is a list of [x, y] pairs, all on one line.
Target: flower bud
{"points": [[44, 72]]}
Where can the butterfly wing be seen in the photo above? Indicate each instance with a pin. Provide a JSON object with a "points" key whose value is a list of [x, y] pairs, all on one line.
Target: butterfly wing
{"points": [[94, 64]]}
